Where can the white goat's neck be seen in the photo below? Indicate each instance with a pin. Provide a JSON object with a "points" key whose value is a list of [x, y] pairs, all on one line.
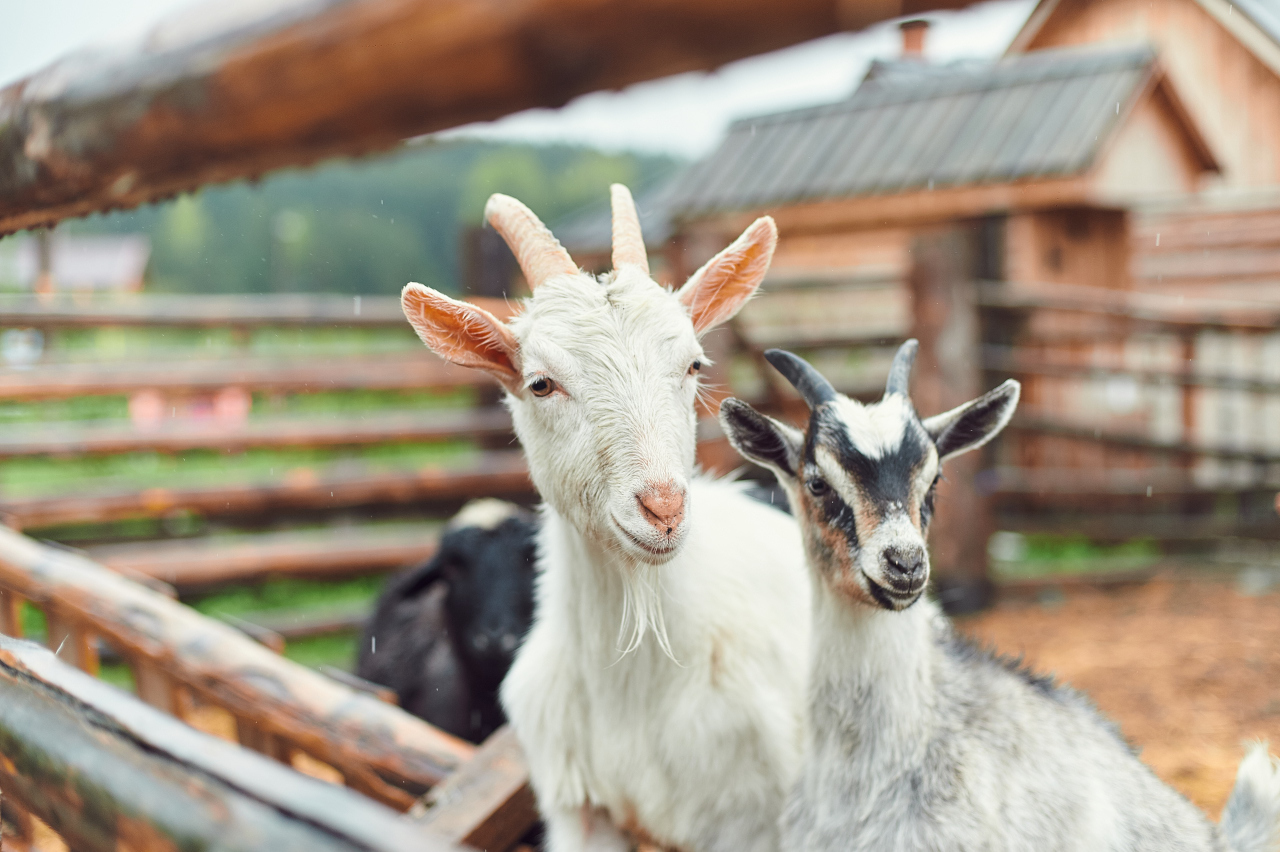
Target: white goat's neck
{"points": [[872, 693], [585, 591]]}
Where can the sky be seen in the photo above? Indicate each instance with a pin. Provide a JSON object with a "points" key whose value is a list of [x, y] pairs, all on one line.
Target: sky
{"points": [[684, 115]]}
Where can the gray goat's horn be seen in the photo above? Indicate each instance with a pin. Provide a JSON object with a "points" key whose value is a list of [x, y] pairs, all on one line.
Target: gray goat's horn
{"points": [[900, 372], [811, 384]]}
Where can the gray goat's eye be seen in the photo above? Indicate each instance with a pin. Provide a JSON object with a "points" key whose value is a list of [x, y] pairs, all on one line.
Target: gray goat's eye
{"points": [[817, 487]]}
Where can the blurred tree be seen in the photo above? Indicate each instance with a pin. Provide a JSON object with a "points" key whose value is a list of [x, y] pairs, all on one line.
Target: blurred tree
{"points": [[364, 226]]}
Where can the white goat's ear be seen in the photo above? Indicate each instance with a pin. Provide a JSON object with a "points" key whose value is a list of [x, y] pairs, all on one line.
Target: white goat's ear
{"points": [[971, 425], [463, 333], [762, 439], [715, 292]]}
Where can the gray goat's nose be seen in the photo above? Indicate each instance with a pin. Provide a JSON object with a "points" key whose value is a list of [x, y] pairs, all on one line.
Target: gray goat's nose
{"points": [[905, 564]]}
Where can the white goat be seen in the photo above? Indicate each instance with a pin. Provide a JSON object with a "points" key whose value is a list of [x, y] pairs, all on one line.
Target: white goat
{"points": [[660, 693], [919, 740]]}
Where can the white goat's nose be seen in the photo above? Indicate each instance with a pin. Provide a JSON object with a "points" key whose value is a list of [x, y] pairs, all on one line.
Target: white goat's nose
{"points": [[662, 506]]}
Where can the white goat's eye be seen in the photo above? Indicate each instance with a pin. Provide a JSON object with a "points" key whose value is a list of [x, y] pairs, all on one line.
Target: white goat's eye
{"points": [[695, 366], [817, 487], [542, 386]]}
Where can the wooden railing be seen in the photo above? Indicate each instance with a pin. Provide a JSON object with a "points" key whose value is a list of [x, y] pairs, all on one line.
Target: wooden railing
{"points": [[106, 772]]}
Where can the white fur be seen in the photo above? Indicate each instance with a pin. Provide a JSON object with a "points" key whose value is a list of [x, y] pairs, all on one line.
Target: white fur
{"points": [[875, 430], [486, 513], [697, 751], [661, 688]]}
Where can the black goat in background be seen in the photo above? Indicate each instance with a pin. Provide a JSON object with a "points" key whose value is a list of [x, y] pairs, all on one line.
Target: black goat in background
{"points": [[443, 634]]}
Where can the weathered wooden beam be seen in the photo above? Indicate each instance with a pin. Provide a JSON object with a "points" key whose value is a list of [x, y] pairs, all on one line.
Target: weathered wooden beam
{"points": [[1148, 310], [107, 772], [244, 310], [201, 103], [495, 474], [345, 729], [201, 564], [1047, 424], [1012, 360], [319, 374], [63, 439], [488, 803]]}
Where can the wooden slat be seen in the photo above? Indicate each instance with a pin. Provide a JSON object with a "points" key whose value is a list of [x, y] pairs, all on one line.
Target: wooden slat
{"points": [[304, 624], [494, 474], [325, 372], [71, 641], [107, 773], [299, 82], [488, 804], [349, 731], [203, 563], [1115, 526], [10, 613], [1009, 360], [63, 439], [1138, 308], [199, 311], [1046, 424]]}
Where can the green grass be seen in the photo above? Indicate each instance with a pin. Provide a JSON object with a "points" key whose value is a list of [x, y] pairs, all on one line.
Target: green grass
{"points": [[1044, 554], [289, 594], [338, 650]]}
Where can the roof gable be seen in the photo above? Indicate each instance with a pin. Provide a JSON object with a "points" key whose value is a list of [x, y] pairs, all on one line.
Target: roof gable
{"points": [[1043, 115]]}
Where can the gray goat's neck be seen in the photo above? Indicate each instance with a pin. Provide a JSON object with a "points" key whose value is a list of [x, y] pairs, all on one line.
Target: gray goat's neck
{"points": [[873, 694]]}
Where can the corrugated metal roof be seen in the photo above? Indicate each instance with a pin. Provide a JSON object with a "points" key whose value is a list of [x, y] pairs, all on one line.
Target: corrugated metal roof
{"points": [[914, 126]]}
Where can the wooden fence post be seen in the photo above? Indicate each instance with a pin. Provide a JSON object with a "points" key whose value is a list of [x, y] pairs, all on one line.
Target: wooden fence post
{"points": [[949, 372]]}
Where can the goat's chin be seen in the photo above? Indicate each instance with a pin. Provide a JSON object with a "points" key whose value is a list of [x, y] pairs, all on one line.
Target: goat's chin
{"points": [[884, 596], [642, 549]]}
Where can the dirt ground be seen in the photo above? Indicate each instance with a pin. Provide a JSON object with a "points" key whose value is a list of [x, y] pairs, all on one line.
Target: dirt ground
{"points": [[1190, 668]]}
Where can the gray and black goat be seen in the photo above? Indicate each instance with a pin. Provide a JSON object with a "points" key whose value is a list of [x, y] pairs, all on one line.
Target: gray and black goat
{"points": [[444, 634], [918, 739]]}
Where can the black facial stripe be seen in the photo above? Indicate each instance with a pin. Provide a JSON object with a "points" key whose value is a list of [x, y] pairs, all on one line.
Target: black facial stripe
{"points": [[839, 515], [888, 479]]}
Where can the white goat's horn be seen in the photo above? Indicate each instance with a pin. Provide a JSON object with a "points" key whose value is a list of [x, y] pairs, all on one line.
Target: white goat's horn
{"points": [[628, 242], [538, 252]]}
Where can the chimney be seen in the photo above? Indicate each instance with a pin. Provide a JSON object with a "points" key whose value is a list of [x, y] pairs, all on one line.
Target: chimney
{"points": [[913, 33]]}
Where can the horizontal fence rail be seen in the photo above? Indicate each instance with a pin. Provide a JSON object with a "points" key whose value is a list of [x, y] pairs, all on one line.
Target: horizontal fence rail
{"points": [[278, 705], [107, 772], [199, 311], [304, 81], [495, 473]]}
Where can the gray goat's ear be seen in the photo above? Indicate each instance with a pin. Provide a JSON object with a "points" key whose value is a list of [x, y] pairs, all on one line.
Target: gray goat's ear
{"points": [[971, 425], [762, 439]]}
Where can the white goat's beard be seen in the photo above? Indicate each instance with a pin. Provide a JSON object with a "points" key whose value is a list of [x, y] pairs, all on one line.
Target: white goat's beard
{"points": [[642, 610]]}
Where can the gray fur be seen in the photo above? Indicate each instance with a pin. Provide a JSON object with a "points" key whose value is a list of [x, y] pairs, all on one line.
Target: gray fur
{"points": [[918, 740]]}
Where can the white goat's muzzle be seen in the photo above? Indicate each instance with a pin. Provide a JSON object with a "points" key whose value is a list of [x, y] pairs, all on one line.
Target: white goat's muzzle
{"points": [[651, 521]]}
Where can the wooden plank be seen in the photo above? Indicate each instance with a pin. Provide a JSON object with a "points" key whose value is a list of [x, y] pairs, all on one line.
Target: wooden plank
{"points": [[107, 772], [1141, 309], [1032, 421], [71, 641], [323, 373], [154, 686], [1011, 360], [298, 82], [306, 623], [494, 473], [203, 563], [347, 730], [11, 613], [247, 310], [488, 803], [1114, 526], [64, 439]]}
